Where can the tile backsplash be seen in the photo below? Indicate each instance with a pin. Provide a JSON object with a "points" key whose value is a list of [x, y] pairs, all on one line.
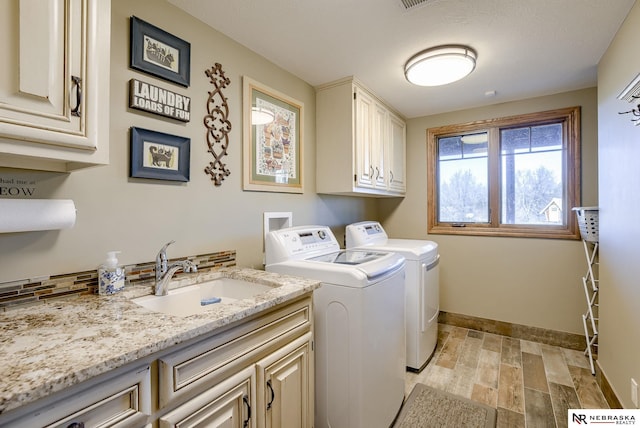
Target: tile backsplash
{"points": [[38, 290]]}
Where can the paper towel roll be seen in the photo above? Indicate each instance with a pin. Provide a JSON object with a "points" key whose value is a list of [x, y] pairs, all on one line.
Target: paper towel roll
{"points": [[24, 215]]}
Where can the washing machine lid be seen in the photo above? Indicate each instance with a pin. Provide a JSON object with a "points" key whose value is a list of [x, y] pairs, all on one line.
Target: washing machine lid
{"points": [[351, 268], [371, 261], [371, 235], [411, 249]]}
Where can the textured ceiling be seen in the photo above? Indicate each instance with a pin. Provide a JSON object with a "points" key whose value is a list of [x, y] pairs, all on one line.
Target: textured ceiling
{"points": [[525, 48]]}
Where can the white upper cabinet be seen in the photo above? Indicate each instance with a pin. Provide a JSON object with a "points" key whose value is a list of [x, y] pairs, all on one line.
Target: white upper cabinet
{"points": [[397, 155], [54, 83], [364, 108], [360, 147]]}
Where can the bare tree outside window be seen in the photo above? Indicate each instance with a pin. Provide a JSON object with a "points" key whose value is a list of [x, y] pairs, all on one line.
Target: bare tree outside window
{"points": [[531, 172], [463, 171]]}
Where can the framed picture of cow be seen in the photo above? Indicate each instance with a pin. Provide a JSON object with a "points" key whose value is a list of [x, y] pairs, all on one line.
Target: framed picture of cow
{"points": [[159, 156]]}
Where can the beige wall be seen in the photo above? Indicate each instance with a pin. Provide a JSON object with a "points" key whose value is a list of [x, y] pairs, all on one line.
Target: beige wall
{"points": [[528, 281], [535, 282], [619, 181], [139, 216]]}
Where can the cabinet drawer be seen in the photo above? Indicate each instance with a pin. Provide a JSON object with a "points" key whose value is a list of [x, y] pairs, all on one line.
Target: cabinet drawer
{"points": [[190, 369], [119, 402]]}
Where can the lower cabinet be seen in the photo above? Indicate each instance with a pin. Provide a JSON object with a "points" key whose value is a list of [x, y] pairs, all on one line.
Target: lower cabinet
{"points": [[272, 393], [258, 373], [122, 401], [285, 384], [226, 405]]}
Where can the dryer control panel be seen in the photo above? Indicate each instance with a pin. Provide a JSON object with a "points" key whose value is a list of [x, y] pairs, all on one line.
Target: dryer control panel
{"points": [[364, 233]]}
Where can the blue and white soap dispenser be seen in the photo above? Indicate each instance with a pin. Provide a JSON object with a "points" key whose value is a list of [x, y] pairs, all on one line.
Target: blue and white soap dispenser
{"points": [[110, 275]]}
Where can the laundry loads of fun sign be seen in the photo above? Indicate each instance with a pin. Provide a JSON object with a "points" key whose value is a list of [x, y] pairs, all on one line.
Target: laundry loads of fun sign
{"points": [[153, 99]]}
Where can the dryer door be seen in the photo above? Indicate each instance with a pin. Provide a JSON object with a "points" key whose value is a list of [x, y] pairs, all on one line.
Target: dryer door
{"points": [[427, 326], [430, 294]]}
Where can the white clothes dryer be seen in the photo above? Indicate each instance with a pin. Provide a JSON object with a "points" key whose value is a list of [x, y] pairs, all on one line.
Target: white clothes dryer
{"points": [[422, 285], [359, 325]]}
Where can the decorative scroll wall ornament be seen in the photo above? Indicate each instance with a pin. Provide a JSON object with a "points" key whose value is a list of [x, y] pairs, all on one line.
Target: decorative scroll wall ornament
{"points": [[218, 125]]}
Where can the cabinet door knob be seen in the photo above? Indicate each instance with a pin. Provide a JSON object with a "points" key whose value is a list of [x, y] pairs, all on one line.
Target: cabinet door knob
{"points": [[76, 425], [78, 82], [273, 394], [391, 175]]}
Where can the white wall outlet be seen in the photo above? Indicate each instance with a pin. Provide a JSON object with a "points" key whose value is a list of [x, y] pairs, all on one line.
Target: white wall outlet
{"points": [[634, 392]]}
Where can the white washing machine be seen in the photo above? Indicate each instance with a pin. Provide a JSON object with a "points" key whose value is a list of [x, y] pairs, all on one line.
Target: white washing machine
{"points": [[422, 286], [359, 325]]}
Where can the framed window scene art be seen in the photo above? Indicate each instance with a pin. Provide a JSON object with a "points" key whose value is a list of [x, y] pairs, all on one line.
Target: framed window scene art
{"points": [[158, 53], [159, 156], [272, 145]]}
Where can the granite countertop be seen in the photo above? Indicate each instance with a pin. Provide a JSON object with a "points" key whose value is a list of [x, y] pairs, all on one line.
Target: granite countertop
{"points": [[52, 346]]}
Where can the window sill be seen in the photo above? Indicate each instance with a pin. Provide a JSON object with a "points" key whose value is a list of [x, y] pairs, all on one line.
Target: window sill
{"points": [[505, 231]]}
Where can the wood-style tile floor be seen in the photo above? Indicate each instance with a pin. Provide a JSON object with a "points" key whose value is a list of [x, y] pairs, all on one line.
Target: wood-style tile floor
{"points": [[530, 384]]}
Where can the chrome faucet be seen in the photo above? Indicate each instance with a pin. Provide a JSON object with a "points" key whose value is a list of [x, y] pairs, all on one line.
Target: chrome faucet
{"points": [[165, 272]]}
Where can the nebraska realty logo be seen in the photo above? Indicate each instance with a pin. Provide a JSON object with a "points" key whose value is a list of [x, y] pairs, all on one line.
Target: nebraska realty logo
{"points": [[582, 417]]}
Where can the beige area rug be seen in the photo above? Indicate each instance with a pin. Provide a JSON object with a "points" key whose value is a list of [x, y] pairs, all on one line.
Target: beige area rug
{"points": [[427, 407]]}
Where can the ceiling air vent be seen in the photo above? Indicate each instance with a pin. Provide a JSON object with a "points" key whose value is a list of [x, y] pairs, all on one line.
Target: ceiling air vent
{"points": [[410, 4]]}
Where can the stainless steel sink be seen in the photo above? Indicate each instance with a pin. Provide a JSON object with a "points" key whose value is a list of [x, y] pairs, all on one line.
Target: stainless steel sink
{"points": [[199, 298]]}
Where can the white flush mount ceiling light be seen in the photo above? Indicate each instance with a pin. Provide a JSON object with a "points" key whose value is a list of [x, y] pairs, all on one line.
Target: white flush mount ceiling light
{"points": [[261, 116], [440, 65]]}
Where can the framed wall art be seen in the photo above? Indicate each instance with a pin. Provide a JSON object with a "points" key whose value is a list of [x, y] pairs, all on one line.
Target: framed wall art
{"points": [[156, 52], [272, 145], [159, 156]]}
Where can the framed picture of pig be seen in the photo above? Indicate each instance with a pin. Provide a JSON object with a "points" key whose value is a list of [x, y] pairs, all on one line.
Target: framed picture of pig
{"points": [[159, 156]]}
